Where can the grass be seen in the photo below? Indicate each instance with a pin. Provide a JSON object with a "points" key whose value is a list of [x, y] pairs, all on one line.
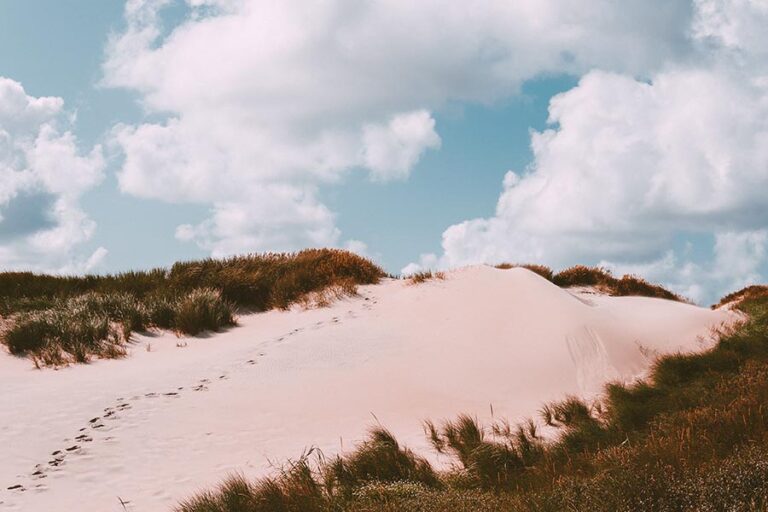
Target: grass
{"points": [[542, 270], [77, 329], [691, 437], [57, 320], [424, 276], [602, 279]]}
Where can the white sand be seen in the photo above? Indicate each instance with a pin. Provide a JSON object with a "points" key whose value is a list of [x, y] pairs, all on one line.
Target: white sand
{"points": [[283, 381]]}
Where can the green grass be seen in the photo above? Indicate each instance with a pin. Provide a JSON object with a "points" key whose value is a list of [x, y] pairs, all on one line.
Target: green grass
{"points": [[692, 437], [58, 320]]}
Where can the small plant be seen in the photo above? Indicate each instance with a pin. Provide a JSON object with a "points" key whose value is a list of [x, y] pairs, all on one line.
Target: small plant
{"points": [[423, 276]]}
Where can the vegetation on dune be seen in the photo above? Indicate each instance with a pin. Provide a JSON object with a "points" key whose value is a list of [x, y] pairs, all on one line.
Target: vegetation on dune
{"points": [[61, 319], [543, 270], [602, 279], [744, 296], [691, 437], [426, 275]]}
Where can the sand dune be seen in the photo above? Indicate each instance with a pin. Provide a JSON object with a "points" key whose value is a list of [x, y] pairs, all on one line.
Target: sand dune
{"points": [[180, 414]]}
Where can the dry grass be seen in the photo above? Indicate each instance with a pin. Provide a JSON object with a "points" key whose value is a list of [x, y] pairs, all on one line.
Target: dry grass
{"points": [[58, 320], [603, 280], [543, 270], [424, 276]]}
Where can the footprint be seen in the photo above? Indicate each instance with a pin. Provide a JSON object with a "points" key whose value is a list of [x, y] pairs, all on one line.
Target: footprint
{"points": [[171, 393], [17, 487]]}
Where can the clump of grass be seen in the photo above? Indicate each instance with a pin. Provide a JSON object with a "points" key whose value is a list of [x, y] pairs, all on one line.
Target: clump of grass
{"points": [[379, 459], [424, 276], [601, 278], [542, 270], [486, 463], [99, 325], [293, 490], [202, 310], [71, 333]]}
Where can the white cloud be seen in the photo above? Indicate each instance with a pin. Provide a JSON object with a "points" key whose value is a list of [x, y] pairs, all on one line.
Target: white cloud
{"points": [[629, 165], [38, 159], [294, 94], [391, 151]]}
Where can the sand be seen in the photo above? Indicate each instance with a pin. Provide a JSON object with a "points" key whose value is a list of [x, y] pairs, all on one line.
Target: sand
{"points": [[180, 414]]}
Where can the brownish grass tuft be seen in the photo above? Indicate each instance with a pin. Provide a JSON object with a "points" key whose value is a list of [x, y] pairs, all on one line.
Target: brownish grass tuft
{"points": [[602, 279], [424, 276]]}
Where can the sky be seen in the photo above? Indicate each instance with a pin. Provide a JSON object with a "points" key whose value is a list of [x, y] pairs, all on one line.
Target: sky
{"points": [[432, 134]]}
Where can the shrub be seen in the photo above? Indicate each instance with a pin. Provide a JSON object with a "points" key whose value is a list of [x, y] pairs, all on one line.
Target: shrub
{"points": [[486, 463], [202, 310]]}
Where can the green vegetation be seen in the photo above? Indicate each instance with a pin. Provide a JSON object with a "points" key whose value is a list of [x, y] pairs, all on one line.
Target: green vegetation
{"points": [[57, 320], [691, 437]]}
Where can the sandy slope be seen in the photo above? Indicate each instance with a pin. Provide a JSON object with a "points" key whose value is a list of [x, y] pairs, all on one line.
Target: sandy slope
{"points": [[166, 422]]}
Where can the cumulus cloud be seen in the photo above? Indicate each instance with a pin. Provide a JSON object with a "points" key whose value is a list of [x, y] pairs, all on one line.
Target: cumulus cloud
{"points": [[42, 177], [289, 95], [630, 165]]}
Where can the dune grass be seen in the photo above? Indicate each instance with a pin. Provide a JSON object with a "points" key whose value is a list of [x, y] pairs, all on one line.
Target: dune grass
{"points": [[691, 437], [424, 276], [543, 270], [57, 320], [598, 277], [580, 275]]}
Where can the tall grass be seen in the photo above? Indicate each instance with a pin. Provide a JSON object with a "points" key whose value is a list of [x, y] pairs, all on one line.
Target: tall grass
{"points": [[692, 437], [57, 320], [99, 325]]}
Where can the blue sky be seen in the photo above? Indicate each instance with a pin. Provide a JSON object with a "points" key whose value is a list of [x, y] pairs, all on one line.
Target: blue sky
{"points": [[224, 126]]}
